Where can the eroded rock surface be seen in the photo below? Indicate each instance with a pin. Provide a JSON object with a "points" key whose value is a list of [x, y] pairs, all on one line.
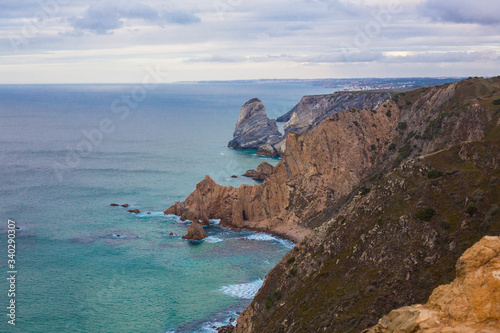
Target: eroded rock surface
{"points": [[471, 303], [312, 110], [253, 127]]}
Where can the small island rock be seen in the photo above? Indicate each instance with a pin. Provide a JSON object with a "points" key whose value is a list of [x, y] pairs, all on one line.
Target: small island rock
{"points": [[195, 232], [263, 170]]}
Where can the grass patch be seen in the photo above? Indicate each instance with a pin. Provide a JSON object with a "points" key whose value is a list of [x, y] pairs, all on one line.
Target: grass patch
{"points": [[291, 260]]}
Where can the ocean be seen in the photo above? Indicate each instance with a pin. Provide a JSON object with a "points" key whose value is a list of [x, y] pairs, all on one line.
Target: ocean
{"points": [[68, 151]]}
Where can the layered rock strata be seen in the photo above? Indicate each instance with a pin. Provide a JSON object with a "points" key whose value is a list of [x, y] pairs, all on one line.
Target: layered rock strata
{"points": [[253, 128]]}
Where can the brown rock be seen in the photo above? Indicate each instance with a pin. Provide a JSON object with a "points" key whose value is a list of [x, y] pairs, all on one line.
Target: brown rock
{"points": [[195, 231], [125, 205], [135, 211], [114, 205], [171, 234], [250, 173], [471, 303], [149, 213], [234, 176], [263, 170]]}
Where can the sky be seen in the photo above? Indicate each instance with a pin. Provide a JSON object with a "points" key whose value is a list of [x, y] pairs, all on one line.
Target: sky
{"points": [[122, 41]]}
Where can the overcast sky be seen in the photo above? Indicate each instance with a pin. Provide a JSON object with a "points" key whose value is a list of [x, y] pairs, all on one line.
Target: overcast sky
{"points": [[66, 41]]}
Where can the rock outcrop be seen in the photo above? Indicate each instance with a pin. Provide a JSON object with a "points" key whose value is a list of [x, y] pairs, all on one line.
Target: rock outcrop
{"points": [[263, 170], [253, 128], [471, 303], [195, 232]]}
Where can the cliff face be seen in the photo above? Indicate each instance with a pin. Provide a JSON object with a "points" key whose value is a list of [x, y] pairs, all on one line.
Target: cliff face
{"points": [[312, 110], [317, 170], [253, 128], [421, 202], [471, 303]]}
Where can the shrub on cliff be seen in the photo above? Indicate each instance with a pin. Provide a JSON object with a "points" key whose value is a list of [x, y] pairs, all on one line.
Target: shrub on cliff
{"points": [[425, 214], [433, 174], [275, 295], [496, 101]]}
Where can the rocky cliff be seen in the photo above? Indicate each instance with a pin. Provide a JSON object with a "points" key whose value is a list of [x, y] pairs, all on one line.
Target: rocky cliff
{"points": [[312, 110], [471, 303], [318, 169], [429, 191], [253, 128]]}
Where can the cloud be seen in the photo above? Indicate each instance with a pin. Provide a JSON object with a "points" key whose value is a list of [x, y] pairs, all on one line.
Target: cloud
{"points": [[446, 57], [484, 12], [360, 57], [107, 16], [180, 17]]}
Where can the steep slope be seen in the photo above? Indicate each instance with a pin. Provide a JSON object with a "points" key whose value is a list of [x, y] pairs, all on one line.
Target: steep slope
{"points": [[397, 236], [471, 303]]}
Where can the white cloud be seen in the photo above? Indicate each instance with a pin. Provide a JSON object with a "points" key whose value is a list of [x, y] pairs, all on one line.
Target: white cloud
{"points": [[484, 12]]}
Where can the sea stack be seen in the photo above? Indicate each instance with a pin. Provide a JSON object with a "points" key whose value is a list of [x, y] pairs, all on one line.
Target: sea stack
{"points": [[195, 232], [253, 128]]}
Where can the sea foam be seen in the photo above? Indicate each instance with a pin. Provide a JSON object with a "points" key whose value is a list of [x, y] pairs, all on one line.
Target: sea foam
{"points": [[243, 290], [213, 240], [266, 237]]}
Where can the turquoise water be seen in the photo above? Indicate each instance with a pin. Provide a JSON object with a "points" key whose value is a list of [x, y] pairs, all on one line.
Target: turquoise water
{"points": [[84, 266]]}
